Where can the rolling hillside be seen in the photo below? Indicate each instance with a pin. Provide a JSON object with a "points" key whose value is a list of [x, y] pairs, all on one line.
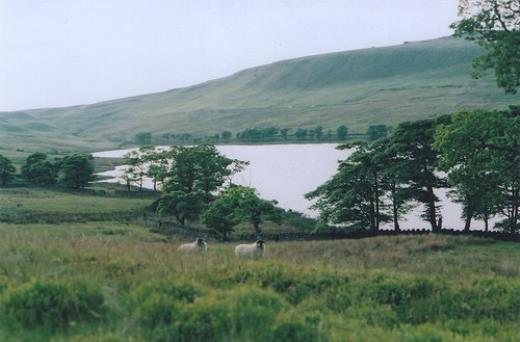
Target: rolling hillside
{"points": [[356, 88]]}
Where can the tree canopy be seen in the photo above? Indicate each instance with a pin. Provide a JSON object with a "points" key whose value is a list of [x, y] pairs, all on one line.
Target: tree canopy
{"points": [[494, 25], [7, 170]]}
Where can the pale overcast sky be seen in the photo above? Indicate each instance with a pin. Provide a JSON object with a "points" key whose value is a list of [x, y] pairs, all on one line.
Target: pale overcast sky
{"points": [[66, 52]]}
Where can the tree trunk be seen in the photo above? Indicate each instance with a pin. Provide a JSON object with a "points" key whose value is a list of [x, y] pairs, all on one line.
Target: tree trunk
{"points": [[469, 216], [256, 225], [516, 204], [154, 185], [376, 198], [372, 215], [432, 217], [486, 223], [394, 211], [128, 185]]}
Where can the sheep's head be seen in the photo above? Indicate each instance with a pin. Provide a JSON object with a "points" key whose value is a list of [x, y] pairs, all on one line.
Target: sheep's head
{"points": [[260, 244], [200, 241]]}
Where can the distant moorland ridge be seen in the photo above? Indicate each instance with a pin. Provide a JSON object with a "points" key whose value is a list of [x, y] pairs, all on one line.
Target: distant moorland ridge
{"points": [[354, 88]]}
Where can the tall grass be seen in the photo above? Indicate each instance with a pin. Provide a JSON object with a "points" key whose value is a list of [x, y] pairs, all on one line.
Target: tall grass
{"points": [[78, 283]]}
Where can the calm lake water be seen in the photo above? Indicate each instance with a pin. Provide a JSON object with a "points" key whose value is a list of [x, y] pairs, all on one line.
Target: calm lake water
{"points": [[286, 172]]}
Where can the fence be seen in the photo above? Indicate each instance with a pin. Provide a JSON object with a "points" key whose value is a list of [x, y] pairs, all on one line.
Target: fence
{"points": [[172, 228]]}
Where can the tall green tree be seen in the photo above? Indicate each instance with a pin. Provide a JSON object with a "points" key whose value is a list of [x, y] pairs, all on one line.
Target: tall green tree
{"points": [[196, 174], [154, 164], [39, 170], [7, 170], [226, 135], [412, 142], [301, 134], [494, 25], [393, 178], [76, 170], [481, 153], [143, 138], [342, 132], [375, 132], [220, 215], [354, 194], [318, 132], [249, 207], [284, 132], [184, 206]]}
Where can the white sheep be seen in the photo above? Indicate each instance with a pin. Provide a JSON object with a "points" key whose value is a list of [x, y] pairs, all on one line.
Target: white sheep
{"points": [[254, 250], [198, 246]]}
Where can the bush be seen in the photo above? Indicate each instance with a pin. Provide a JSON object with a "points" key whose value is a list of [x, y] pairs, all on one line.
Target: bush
{"points": [[157, 310], [178, 291], [243, 313], [53, 304], [295, 328]]}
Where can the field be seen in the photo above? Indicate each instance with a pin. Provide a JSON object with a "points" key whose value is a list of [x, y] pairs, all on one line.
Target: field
{"points": [[114, 280], [44, 205], [354, 88]]}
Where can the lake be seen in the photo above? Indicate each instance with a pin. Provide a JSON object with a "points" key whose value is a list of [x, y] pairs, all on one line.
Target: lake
{"points": [[286, 172]]}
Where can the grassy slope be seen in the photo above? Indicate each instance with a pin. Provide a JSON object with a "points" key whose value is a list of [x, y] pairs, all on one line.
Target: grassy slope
{"points": [[357, 88]]}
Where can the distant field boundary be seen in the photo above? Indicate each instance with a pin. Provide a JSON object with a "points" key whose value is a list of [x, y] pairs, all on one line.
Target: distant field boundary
{"points": [[171, 228], [55, 217]]}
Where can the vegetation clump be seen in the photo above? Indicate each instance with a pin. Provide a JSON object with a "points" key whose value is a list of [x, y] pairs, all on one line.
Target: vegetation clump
{"points": [[53, 305]]}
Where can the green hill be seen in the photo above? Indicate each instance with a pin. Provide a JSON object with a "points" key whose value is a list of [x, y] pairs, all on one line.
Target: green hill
{"points": [[356, 88]]}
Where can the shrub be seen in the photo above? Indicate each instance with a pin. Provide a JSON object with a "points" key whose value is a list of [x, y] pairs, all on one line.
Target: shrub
{"points": [[53, 304], [178, 291], [243, 313], [157, 310], [295, 328]]}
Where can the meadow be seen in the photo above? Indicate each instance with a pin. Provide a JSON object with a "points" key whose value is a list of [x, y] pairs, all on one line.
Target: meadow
{"points": [[44, 205], [83, 271]]}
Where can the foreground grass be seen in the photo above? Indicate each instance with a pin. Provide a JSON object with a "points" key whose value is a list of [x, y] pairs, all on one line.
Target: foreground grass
{"points": [[107, 281]]}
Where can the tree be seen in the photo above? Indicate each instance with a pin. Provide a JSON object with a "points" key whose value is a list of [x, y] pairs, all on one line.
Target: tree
{"points": [[393, 177], [137, 170], [195, 175], [76, 170], [129, 177], [301, 134], [354, 194], [143, 138], [7, 170], [201, 168], [318, 132], [495, 26], [412, 142], [226, 135], [284, 132], [481, 153], [375, 132], [251, 208], [342, 132], [39, 170], [184, 206], [220, 215], [152, 163]]}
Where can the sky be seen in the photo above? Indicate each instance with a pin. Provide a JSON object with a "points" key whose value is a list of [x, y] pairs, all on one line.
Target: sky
{"points": [[68, 52]]}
